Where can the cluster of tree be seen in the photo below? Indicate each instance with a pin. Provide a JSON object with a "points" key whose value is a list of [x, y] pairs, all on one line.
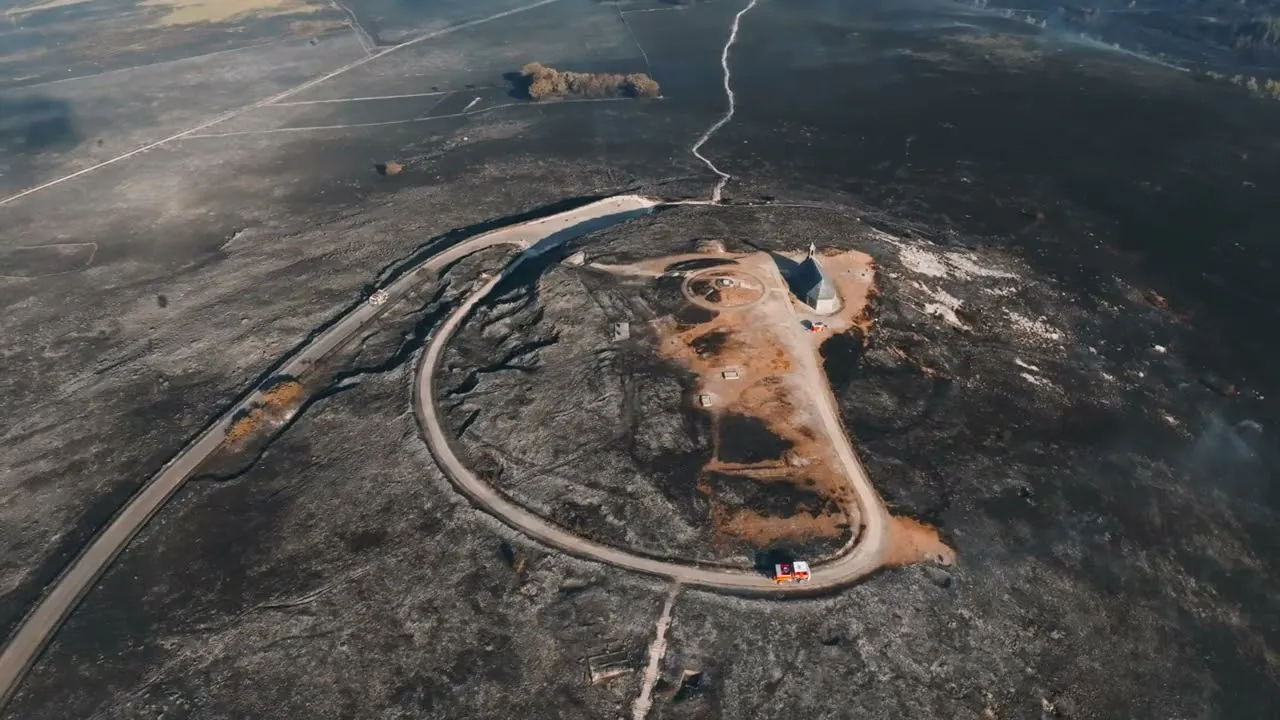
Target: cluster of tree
{"points": [[1263, 86], [1262, 32], [283, 394], [543, 83], [245, 425]]}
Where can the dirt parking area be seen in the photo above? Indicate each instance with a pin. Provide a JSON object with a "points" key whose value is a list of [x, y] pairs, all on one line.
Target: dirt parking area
{"points": [[773, 478]]}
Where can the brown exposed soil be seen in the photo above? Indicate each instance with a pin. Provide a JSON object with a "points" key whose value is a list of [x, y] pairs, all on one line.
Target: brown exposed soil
{"points": [[788, 486], [912, 541]]}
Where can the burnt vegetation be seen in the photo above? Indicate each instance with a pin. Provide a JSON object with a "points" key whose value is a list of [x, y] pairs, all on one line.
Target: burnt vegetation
{"points": [[748, 440], [539, 82]]}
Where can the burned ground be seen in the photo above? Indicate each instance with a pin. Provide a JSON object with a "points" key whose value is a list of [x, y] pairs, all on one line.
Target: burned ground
{"points": [[744, 439], [1069, 464], [618, 449], [268, 596], [1095, 435]]}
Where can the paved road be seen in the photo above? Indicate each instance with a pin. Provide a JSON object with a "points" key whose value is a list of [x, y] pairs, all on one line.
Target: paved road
{"points": [[37, 628], [534, 237]]}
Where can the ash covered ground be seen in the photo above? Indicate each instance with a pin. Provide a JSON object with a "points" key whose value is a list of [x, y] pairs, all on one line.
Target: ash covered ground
{"points": [[617, 453], [621, 451], [1066, 374]]}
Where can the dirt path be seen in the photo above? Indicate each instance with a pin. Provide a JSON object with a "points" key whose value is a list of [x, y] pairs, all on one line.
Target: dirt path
{"points": [[657, 651]]}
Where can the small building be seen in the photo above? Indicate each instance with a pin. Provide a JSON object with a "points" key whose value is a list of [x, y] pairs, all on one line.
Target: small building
{"points": [[621, 331], [810, 283], [607, 666]]}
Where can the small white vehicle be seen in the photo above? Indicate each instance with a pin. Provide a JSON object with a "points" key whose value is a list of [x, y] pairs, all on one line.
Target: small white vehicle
{"points": [[378, 297]]}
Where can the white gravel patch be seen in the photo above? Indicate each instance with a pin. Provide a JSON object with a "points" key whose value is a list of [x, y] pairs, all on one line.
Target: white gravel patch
{"points": [[943, 305], [1025, 366], [947, 314], [921, 261], [1035, 329], [964, 266], [931, 262]]}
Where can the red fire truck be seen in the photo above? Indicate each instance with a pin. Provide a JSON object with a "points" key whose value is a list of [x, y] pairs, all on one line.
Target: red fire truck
{"points": [[797, 571]]}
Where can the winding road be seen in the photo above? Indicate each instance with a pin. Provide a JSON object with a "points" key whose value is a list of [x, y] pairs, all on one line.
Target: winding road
{"points": [[534, 237]]}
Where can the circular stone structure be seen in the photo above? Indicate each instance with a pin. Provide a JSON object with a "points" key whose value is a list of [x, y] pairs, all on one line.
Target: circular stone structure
{"points": [[726, 287]]}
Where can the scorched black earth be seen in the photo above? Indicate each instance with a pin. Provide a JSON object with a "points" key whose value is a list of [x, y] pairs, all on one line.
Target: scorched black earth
{"points": [[1069, 369]]}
